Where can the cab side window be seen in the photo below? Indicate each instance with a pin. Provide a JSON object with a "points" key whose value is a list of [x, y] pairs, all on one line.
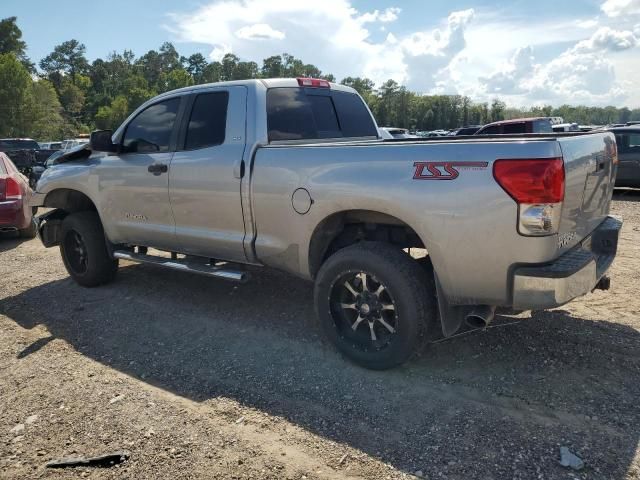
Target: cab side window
{"points": [[150, 131], [513, 128], [634, 141], [208, 121], [492, 130]]}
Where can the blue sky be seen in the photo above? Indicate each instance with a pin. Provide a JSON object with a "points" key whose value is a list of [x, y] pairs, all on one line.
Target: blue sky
{"points": [[527, 52]]}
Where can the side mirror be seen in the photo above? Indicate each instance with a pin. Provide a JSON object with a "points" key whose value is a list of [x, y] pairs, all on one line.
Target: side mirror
{"points": [[101, 141]]}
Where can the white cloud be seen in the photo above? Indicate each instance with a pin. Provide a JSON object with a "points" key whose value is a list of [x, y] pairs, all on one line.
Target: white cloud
{"points": [[388, 15], [616, 8], [606, 38], [513, 75], [582, 73], [331, 34], [259, 31], [478, 53]]}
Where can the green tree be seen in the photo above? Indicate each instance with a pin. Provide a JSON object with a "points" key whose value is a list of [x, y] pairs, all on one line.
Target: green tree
{"points": [[212, 73], [16, 97], [245, 71], [46, 122], [11, 42], [174, 79], [72, 99], [110, 117], [362, 85], [66, 58], [272, 67], [195, 66], [497, 110]]}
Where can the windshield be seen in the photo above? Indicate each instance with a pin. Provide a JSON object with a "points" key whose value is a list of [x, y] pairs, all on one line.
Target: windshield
{"points": [[10, 144], [52, 159]]}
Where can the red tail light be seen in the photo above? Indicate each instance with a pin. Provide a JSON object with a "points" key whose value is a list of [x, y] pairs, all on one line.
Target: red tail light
{"points": [[538, 180], [313, 82], [10, 189]]}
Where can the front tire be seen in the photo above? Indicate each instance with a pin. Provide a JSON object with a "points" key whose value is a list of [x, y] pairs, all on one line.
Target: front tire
{"points": [[374, 303], [84, 250]]}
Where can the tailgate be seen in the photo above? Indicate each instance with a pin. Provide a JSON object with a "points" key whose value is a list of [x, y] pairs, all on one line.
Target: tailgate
{"points": [[589, 180]]}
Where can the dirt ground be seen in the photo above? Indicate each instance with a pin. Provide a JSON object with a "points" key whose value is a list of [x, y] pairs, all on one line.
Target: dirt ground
{"points": [[199, 378]]}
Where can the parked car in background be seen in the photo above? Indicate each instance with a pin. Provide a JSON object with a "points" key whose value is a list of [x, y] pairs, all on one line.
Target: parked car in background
{"points": [[50, 145], [15, 213], [628, 142], [438, 133], [466, 130], [21, 151], [38, 170], [396, 132], [565, 127], [75, 142], [633, 122], [518, 125]]}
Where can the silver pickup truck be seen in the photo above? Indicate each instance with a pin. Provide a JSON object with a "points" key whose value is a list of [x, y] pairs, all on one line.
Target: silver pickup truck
{"points": [[398, 235]]}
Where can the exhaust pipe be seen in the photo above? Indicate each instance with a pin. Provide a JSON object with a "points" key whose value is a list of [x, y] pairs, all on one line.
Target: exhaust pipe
{"points": [[8, 229], [603, 284], [480, 316]]}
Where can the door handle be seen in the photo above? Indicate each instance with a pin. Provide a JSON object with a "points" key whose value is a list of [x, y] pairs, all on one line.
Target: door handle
{"points": [[158, 168]]}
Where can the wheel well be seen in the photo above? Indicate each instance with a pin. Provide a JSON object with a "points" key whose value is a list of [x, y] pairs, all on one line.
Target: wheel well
{"points": [[70, 201], [346, 228]]}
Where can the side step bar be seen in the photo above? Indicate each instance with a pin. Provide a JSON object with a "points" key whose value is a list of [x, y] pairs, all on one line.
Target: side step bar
{"points": [[184, 266]]}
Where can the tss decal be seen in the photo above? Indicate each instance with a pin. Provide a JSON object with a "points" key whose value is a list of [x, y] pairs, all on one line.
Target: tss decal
{"points": [[444, 170]]}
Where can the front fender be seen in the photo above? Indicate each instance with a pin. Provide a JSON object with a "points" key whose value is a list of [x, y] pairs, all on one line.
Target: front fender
{"points": [[49, 227]]}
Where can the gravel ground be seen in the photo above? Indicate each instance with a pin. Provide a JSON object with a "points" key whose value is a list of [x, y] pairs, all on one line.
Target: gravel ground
{"points": [[198, 378]]}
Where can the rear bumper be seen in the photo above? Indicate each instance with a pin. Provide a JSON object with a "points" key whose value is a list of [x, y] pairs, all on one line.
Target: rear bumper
{"points": [[12, 215], [569, 276]]}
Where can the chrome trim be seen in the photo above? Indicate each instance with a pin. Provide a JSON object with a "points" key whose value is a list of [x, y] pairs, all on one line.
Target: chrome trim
{"points": [[218, 272]]}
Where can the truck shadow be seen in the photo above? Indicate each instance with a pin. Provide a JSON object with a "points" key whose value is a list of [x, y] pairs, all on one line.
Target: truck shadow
{"points": [[10, 240], [627, 194], [478, 406]]}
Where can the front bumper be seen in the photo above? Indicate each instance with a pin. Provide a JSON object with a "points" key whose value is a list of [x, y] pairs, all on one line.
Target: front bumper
{"points": [[569, 276]]}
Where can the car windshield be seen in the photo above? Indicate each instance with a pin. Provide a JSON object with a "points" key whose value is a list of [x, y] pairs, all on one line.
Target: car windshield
{"points": [[17, 144], [52, 158]]}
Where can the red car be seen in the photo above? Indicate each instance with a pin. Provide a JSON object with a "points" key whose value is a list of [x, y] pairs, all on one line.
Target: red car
{"points": [[15, 213]]}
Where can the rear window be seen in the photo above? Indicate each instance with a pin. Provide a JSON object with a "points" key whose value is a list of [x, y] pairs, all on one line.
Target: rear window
{"points": [[511, 128], [300, 114], [542, 126], [18, 145], [3, 170]]}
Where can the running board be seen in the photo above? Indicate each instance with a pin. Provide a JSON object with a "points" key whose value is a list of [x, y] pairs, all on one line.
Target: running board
{"points": [[184, 266]]}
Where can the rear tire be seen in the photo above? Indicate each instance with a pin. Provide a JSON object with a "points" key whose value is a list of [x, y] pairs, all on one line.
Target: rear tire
{"points": [[374, 303], [84, 250]]}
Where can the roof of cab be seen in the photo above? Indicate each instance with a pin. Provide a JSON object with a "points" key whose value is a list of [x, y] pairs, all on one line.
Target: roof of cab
{"points": [[267, 82], [517, 120]]}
